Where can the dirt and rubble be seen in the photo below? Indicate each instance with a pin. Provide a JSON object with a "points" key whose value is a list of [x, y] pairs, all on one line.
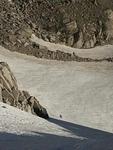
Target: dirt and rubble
{"points": [[75, 23]]}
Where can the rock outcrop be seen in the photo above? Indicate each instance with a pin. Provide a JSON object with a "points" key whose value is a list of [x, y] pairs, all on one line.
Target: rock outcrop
{"points": [[10, 94], [109, 25], [76, 23]]}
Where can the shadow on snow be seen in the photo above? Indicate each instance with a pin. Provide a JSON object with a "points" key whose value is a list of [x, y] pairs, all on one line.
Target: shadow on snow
{"points": [[92, 139]]}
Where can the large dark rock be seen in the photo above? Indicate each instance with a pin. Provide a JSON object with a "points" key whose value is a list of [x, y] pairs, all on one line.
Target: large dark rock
{"points": [[10, 94]]}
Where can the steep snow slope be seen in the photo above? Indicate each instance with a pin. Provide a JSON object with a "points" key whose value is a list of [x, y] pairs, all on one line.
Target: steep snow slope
{"points": [[75, 93], [20, 130]]}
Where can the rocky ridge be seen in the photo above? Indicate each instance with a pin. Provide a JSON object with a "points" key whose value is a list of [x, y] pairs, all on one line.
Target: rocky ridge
{"points": [[10, 94]]}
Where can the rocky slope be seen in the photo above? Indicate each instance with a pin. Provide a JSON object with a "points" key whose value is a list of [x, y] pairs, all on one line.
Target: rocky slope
{"points": [[10, 94], [76, 23]]}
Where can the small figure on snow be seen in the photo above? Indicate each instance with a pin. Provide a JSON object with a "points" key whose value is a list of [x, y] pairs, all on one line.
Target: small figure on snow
{"points": [[60, 116]]}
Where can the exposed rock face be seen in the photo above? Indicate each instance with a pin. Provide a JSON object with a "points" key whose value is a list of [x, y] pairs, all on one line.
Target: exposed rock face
{"points": [[10, 94], [109, 25], [63, 21], [76, 23]]}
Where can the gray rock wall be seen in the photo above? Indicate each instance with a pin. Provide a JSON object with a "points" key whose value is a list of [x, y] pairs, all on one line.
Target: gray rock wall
{"points": [[10, 94]]}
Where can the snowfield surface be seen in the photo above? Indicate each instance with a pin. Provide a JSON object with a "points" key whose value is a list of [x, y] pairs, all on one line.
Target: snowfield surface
{"points": [[78, 97], [99, 52]]}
